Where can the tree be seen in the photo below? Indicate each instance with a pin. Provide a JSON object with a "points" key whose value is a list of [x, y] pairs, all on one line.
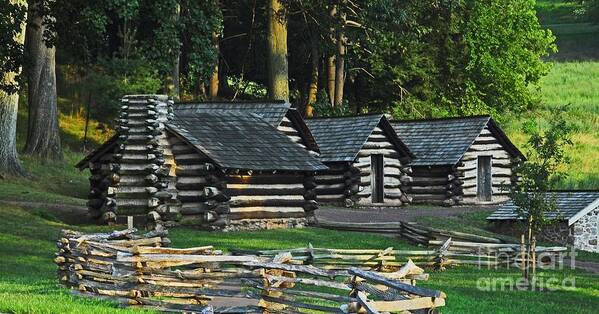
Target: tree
{"points": [[12, 37], [593, 11], [43, 133], [538, 176], [278, 72]]}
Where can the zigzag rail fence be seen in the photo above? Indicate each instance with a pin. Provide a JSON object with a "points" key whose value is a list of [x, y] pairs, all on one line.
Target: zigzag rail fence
{"points": [[141, 271]]}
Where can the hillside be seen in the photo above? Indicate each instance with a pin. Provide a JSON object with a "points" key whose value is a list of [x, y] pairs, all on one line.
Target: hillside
{"points": [[572, 81]]}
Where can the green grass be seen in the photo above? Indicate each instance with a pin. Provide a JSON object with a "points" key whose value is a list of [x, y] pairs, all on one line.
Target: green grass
{"points": [[558, 11], [28, 282], [283, 239], [575, 84], [27, 274]]}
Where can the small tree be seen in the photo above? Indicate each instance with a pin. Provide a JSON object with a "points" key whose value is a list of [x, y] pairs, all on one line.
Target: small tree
{"points": [[537, 176]]}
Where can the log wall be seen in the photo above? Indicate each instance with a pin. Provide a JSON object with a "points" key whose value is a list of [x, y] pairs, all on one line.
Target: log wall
{"points": [[502, 163], [394, 171], [434, 185], [350, 184], [200, 187], [453, 185], [212, 199], [267, 200], [103, 181]]}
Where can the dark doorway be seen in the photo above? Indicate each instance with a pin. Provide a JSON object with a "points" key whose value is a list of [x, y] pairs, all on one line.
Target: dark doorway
{"points": [[485, 183], [377, 179]]}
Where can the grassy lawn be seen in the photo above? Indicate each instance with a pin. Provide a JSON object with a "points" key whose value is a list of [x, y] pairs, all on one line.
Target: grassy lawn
{"points": [[28, 282]]}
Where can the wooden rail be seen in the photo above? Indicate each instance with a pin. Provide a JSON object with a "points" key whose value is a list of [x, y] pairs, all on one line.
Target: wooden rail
{"points": [[140, 271]]}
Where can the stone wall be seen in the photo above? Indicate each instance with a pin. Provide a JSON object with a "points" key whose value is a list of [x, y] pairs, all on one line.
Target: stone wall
{"points": [[586, 232]]}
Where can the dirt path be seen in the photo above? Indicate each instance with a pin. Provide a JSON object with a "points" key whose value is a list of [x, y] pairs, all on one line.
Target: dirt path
{"points": [[338, 214], [71, 214]]}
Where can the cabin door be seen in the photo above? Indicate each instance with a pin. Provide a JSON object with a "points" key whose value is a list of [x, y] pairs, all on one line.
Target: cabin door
{"points": [[377, 178], [485, 184]]}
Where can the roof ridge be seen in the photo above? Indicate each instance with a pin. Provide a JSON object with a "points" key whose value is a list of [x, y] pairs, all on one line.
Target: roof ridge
{"points": [[443, 119], [345, 117], [266, 102]]}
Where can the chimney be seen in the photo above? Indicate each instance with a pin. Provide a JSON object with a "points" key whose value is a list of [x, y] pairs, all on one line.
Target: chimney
{"points": [[142, 170]]}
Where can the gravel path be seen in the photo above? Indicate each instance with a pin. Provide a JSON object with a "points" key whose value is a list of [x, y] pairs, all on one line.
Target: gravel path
{"points": [[339, 214]]}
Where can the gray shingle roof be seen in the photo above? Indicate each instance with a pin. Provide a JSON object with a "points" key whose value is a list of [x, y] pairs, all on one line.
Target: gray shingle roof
{"points": [[235, 140], [440, 142], [272, 112], [340, 139], [571, 205]]}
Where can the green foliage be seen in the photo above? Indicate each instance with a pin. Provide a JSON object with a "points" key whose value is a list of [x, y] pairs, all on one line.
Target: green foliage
{"points": [[323, 107], [12, 16], [440, 58], [540, 173], [593, 11], [113, 78]]}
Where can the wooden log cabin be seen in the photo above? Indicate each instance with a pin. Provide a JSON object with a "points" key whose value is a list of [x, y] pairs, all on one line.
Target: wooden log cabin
{"points": [[215, 169], [368, 163], [459, 160]]}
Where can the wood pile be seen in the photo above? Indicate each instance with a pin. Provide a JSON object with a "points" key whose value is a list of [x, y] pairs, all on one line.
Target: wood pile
{"points": [[140, 271]]}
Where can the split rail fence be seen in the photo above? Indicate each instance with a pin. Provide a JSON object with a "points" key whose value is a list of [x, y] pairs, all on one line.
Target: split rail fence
{"points": [[140, 271], [449, 247]]}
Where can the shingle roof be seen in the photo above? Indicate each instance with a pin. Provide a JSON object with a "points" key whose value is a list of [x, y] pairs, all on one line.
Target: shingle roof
{"points": [[571, 205], [439, 142], [272, 112], [340, 139], [98, 152], [235, 140]]}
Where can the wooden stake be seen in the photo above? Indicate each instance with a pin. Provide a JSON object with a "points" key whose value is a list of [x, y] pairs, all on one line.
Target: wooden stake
{"points": [[129, 222]]}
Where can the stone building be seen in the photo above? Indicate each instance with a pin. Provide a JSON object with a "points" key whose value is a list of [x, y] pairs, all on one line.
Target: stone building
{"points": [[577, 219]]}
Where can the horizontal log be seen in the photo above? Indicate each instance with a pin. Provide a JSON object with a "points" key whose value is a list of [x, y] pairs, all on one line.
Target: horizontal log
{"points": [[251, 202], [266, 213], [265, 189], [278, 178]]}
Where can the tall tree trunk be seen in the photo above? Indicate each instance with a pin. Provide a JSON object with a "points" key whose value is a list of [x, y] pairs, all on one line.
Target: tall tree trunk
{"points": [[177, 61], [331, 72], [313, 88], [278, 83], [9, 160], [340, 61], [331, 79], [43, 132], [213, 89]]}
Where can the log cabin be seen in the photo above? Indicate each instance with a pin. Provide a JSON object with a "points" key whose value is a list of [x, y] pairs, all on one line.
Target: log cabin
{"points": [[214, 169], [467, 160], [576, 222], [368, 163]]}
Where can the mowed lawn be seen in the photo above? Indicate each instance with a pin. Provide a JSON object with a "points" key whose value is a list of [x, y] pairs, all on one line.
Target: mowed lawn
{"points": [[28, 276]]}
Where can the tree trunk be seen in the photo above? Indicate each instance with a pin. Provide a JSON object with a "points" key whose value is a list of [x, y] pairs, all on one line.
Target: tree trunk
{"points": [[331, 79], [43, 132], [214, 83], [340, 61], [331, 72], [278, 84], [177, 61], [9, 160], [313, 88]]}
